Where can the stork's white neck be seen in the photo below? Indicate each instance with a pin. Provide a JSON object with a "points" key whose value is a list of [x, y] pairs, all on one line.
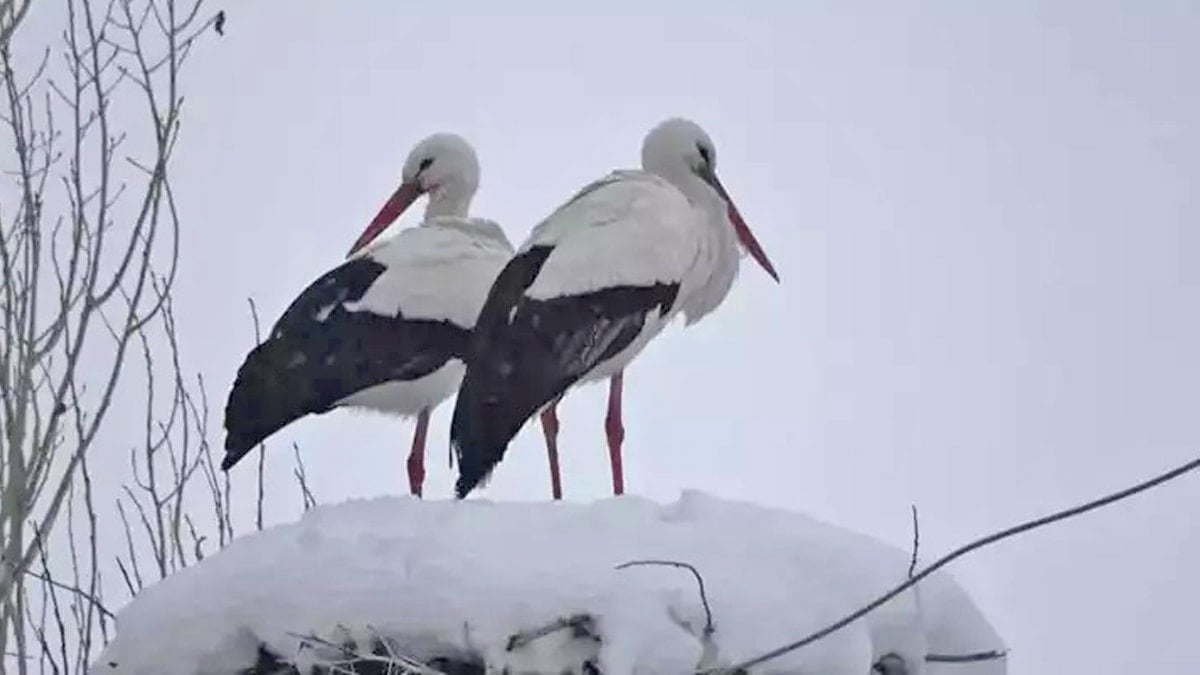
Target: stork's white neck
{"points": [[449, 199], [702, 196], [721, 252]]}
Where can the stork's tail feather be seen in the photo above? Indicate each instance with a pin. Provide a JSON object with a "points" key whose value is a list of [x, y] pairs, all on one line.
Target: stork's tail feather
{"points": [[266, 396], [488, 413], [477, 440], [235, 454]]}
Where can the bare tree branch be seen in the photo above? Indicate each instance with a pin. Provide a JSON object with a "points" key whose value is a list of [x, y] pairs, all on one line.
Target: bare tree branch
{"points": [[89, 251], [91, 599], [12, 13]]}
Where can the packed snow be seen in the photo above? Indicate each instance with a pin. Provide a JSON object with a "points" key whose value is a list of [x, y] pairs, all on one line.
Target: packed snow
{"points": [[438, 577]]}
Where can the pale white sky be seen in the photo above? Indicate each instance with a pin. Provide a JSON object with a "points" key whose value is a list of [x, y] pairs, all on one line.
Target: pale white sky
{"points": [[986, 225]]}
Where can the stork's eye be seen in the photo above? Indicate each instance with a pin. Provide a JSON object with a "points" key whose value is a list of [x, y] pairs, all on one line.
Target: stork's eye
{"points": [[705, 153], [425, 164]]}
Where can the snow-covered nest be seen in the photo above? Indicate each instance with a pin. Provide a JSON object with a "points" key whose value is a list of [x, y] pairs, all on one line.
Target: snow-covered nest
{"points": [[458, 580]]}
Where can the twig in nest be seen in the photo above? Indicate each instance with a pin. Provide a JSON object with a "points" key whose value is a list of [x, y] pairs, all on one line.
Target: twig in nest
{"points": [[963, 550], [392, 659], [408, 662], [708, 620], [518, 640]]}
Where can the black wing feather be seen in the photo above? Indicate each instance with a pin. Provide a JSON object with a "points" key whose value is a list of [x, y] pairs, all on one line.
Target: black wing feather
{"points": [[525, 353], [318, 354]]}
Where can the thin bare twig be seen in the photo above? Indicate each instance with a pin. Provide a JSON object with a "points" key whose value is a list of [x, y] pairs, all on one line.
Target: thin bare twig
{"points": [[262, 448], [302, 480], [708, 620], [916, 547], [91, 599]]}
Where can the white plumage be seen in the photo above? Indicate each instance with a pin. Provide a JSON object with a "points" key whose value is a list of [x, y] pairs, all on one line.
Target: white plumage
{"points": [[593, 284], [631, 228], [439, 271], [386, 330]]}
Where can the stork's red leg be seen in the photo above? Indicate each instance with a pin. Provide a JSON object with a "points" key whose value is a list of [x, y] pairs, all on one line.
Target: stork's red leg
{"points": [[416, 459], [616, 432], [550, 430]]}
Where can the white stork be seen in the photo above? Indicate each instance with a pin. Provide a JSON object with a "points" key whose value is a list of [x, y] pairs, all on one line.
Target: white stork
{"points": [[593, 284], [387, 329]]}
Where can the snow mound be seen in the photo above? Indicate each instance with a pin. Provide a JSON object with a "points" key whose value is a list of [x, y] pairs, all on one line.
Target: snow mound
{"points": [[444, 577]]}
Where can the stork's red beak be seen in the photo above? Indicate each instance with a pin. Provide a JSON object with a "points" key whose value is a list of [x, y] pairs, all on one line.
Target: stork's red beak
{"points": [[400, 200], [743, 230]]}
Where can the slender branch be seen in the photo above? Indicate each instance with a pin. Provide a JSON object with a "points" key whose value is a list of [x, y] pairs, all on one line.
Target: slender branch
{"points": [[15, 15]]}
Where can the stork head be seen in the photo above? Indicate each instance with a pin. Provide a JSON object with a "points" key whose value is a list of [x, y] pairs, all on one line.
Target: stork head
{"points": [[681, 152], [442, 166]]}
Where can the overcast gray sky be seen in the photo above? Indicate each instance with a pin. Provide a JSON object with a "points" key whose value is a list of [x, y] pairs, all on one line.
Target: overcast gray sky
{"points": [[986, 223]]}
